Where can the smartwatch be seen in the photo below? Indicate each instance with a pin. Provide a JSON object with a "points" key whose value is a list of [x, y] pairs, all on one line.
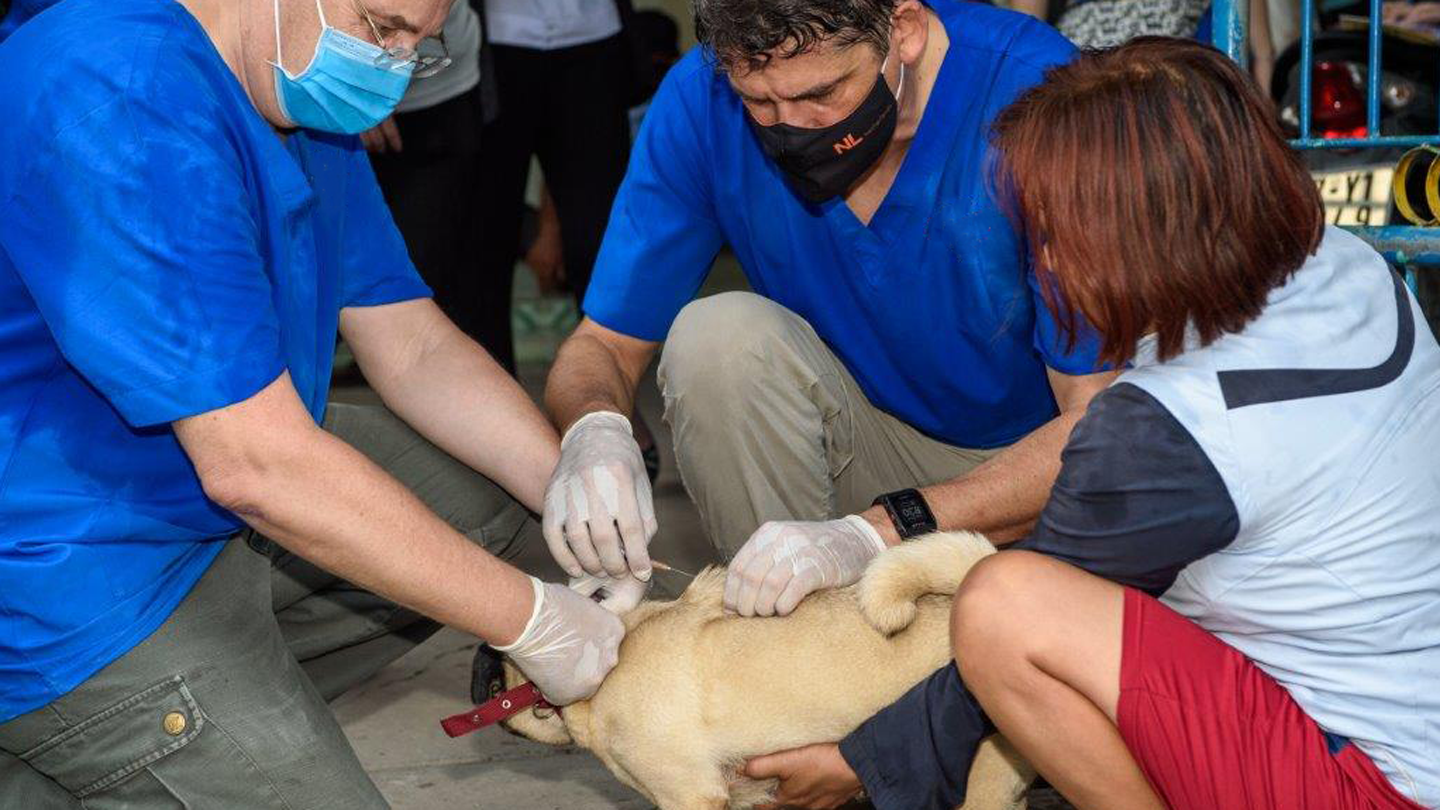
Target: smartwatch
{"points": [[909, 512]]}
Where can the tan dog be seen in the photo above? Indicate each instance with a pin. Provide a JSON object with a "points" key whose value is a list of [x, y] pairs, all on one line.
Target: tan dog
{"points": [[698, 690]]}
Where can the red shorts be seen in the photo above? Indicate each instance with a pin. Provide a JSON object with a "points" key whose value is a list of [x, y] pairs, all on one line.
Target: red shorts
{"points": [[1211, 730]]}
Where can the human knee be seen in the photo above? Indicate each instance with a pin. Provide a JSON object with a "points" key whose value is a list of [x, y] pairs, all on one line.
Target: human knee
{"points": [[719, 348], [995, 601]]}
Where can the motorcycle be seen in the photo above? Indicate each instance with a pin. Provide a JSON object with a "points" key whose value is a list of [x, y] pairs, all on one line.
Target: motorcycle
{"points": [[1356, 183]]}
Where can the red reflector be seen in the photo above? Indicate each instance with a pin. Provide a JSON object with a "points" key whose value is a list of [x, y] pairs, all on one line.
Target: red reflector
{"points": [[1336, 134], [1338, 106]]}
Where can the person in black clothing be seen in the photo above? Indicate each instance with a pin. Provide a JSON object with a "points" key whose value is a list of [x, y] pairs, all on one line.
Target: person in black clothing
{"points": [[563, 86], [427, 159]]}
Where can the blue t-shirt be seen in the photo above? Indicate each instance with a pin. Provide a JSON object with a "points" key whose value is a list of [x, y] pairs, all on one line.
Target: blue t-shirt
{"points": [[19, 12], [931, 307], [162, 253]]}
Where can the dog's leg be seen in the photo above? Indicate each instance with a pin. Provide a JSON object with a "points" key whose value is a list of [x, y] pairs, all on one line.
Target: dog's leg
{"points": [[999, 777], [695, 803], [691, 797], [675, 778]]}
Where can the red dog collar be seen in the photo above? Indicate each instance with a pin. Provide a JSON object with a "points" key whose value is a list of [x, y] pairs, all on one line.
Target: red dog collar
{"points": [[502, 706]]}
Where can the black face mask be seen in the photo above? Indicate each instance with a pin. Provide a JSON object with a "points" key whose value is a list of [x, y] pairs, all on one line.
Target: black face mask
{"points": [[822, 163]]}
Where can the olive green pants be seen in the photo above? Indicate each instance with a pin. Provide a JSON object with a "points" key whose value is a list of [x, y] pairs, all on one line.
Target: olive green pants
{"points": [[770, 425], [224, 706]]}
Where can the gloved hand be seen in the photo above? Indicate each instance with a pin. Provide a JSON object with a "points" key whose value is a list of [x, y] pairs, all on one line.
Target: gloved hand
{"points": [[569, 645], [598, 509], [784, 560], [617, 594]]}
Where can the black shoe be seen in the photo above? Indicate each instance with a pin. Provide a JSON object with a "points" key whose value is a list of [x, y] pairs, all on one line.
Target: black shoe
{"points": [[487, 675]]}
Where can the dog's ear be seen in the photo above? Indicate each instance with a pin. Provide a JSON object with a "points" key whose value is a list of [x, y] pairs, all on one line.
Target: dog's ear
{"points": [[487, 675]]}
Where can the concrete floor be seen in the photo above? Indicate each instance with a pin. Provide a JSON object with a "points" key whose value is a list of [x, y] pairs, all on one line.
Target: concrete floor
{"points": [[393, 722]]}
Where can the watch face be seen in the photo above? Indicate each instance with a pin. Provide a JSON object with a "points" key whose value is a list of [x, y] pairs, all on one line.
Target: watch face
{"points": [[910, 513], [912, 510]]}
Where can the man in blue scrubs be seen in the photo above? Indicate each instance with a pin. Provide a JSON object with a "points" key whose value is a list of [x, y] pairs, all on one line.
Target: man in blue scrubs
{"points": [[895, 339], [189, 564]]}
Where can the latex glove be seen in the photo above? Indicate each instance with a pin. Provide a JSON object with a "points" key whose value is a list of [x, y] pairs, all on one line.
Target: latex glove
{"points": [[784, 561], [599, 514], [569, 645], [617, 594]]}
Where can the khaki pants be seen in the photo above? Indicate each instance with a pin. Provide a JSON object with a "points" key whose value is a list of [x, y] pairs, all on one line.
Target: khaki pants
{"points": [[769, 425], [224, 705]]}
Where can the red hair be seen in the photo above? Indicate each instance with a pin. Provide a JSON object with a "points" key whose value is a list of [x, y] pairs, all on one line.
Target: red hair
{"points": [[1157, 193]]}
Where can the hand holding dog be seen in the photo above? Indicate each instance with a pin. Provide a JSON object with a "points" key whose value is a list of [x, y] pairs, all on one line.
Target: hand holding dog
{"points": [[815, 777], [569, 645], [599, 512], [785, 561]]}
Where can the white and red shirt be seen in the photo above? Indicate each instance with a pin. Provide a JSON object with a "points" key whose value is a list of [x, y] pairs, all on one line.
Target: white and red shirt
{"points": [[1281, 488]]}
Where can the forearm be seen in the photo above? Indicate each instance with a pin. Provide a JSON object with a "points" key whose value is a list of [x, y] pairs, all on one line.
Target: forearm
{"points": [[1262, 47], [1003, 496], [326, 502], [1038, 9], [586, 378], [458, 397]]}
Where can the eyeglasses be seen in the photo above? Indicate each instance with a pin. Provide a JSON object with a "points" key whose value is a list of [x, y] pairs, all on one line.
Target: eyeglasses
{"points": [[430, 56]]}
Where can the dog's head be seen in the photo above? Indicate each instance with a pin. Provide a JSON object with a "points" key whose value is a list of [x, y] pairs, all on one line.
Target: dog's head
{"points": [[493, 675]]}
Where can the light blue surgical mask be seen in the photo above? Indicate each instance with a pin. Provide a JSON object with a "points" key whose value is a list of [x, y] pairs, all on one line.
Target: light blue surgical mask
{"points": [[350, 85]]}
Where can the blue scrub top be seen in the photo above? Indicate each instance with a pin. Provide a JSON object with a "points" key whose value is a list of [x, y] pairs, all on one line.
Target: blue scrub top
{"points": [[19, 12], [162, 253], [931, 307]]}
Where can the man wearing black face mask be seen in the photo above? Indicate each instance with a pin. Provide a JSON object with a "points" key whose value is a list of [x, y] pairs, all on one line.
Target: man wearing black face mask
{"points": [[895, 344], [895, 338]]}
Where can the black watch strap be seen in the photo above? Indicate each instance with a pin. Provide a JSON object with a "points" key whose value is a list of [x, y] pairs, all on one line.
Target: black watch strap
{"points": [[909, 512]]}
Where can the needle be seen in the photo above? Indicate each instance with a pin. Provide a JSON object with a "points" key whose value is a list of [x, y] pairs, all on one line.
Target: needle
{"points": [[660, 566]]}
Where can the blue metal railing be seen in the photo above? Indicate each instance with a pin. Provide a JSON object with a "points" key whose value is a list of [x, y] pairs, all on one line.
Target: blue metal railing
{"points": [[1407, 246]]}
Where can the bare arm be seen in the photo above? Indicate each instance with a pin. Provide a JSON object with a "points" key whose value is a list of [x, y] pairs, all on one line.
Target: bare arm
{"points": [[267, 461], [1039, 9], [597, 369], [453, 393], [599, 510], [1002, 497], [546, 256], [1262, 46]]}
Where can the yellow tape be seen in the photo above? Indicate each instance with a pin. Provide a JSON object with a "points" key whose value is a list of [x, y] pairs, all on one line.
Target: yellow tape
{"points": [[1426, 209]]}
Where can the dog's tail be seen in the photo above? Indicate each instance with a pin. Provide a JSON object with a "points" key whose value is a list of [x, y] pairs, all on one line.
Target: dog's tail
{"points": [[935, 564]]}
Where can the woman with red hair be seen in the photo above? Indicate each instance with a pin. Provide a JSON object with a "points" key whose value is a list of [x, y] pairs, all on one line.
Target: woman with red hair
{"points": [[1232, 597], [1231, 600]]}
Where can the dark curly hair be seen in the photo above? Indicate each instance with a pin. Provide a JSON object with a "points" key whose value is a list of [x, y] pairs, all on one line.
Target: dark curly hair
{"points": [[745, 34]]}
